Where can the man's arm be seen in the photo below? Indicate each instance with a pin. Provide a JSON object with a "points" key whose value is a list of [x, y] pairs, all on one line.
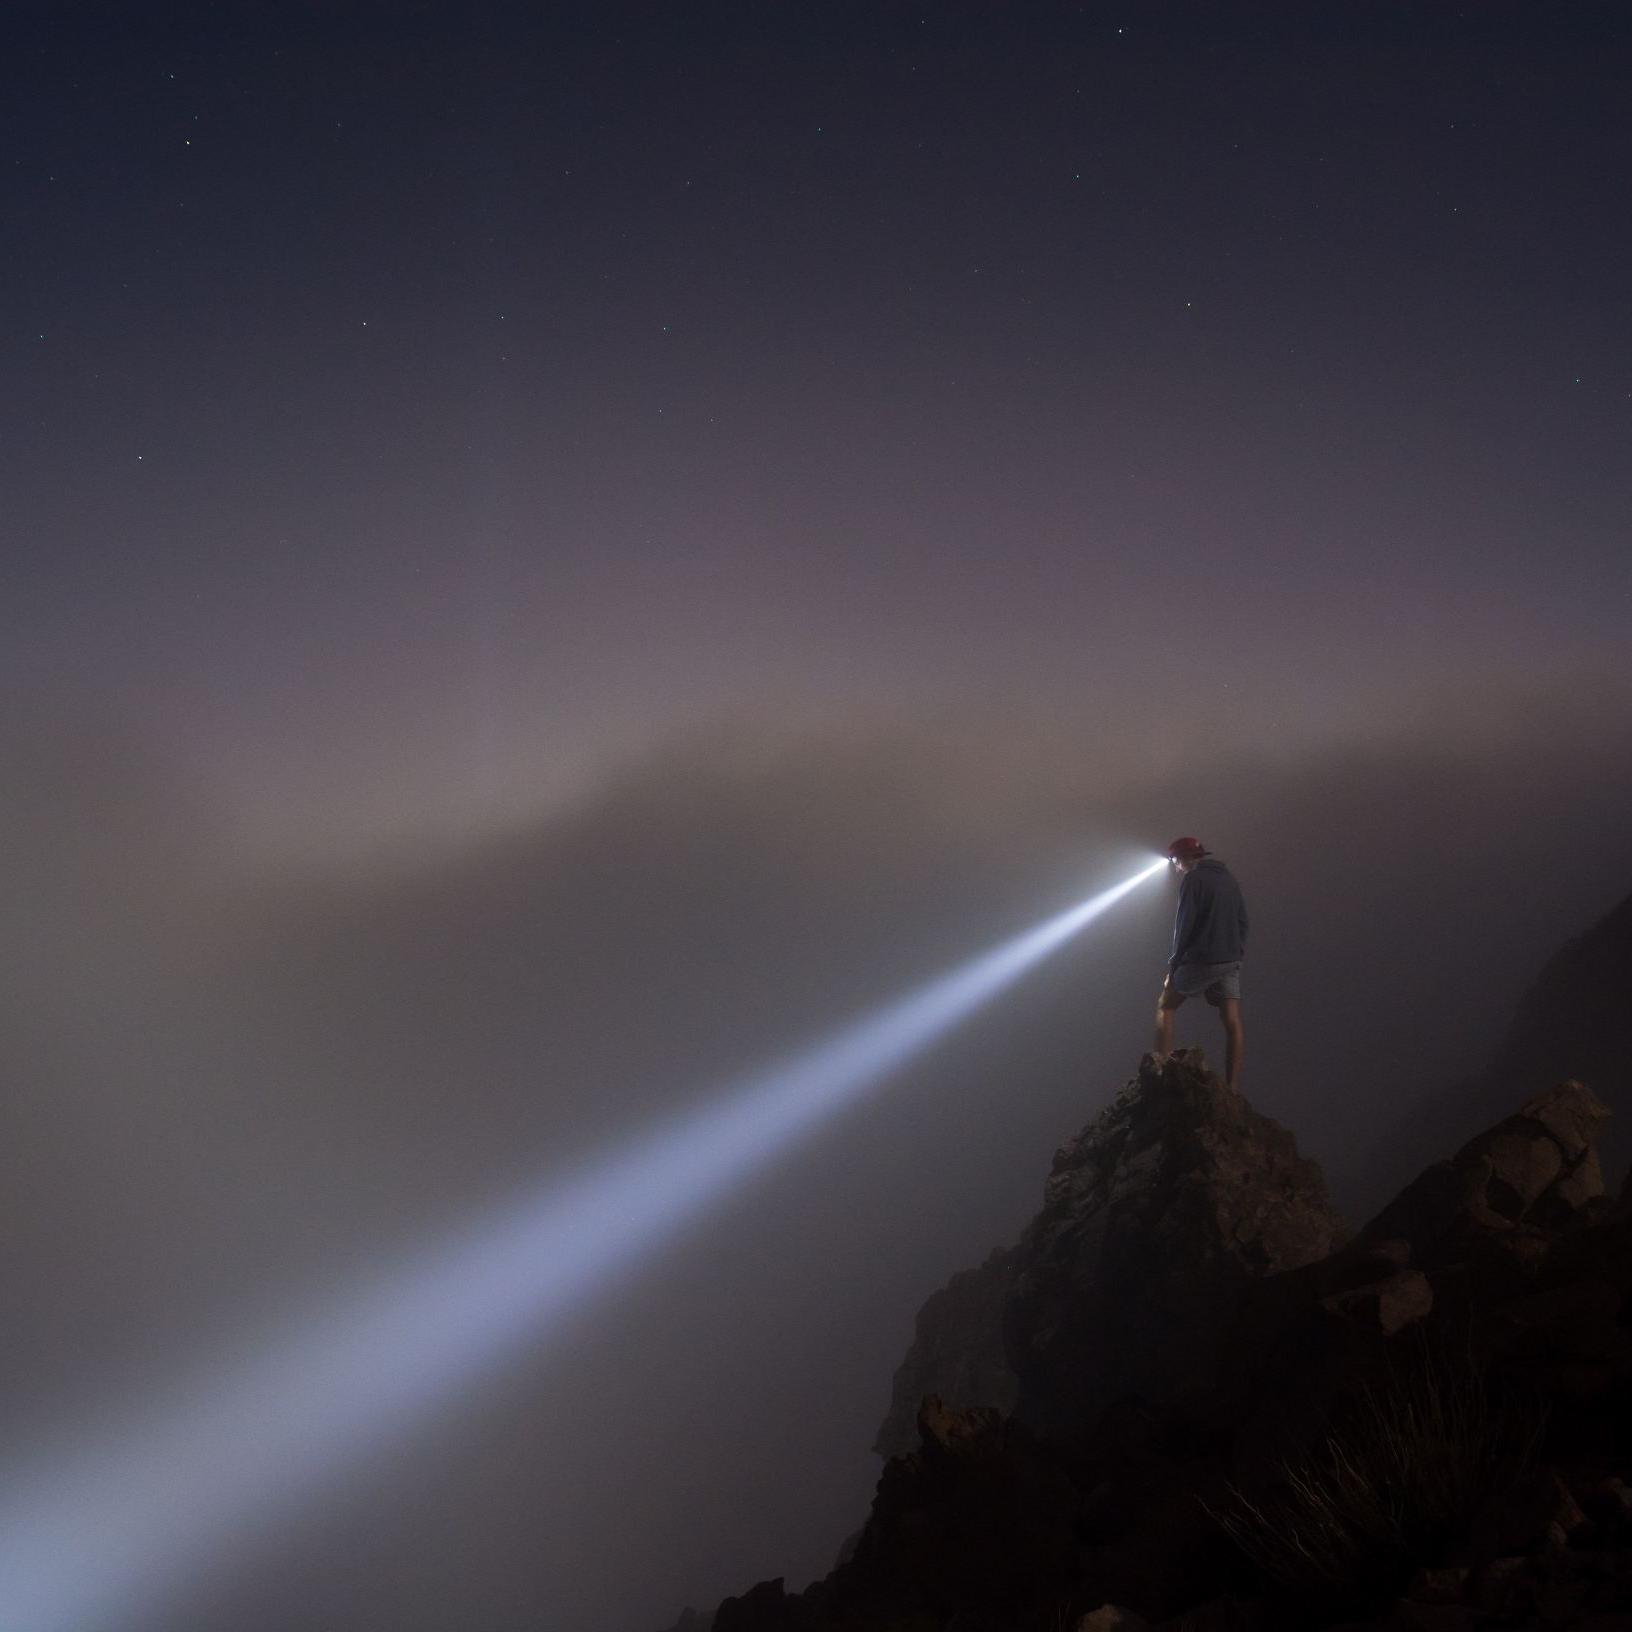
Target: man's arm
{"points": [[1183, 922]]}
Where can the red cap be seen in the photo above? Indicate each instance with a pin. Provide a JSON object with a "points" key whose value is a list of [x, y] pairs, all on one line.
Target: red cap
{"points": [[1186, 849]]}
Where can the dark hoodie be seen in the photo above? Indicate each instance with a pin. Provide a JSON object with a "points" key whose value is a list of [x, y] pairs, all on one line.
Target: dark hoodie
{"points": [[1211, 923]]}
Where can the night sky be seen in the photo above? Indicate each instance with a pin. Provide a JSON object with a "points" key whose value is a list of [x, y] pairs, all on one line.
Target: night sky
{"points": [[548, 553]]}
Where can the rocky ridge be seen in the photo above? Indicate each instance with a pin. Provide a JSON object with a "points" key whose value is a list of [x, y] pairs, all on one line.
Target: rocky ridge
{"points": [[1572, 1022], [1154, 1218], [1226, 1415]]}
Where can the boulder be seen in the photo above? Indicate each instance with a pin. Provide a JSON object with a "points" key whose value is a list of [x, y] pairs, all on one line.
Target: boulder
{"points": [[1387, 1305], [951, 1429], [1189, 1337], [1571, 1023], [1572, 1116], [1509, 1192], [1153, 1220]]}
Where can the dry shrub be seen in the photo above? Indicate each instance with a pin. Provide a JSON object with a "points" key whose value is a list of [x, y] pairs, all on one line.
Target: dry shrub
{"points": [[1398, 1482]]}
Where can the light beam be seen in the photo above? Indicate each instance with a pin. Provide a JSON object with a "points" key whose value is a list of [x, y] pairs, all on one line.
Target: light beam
{"points": [[106, 1537]]}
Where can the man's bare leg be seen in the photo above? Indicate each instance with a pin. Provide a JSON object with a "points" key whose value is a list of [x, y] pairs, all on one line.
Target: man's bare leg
{"points": [[1235, 1043], [1168, 1002]]}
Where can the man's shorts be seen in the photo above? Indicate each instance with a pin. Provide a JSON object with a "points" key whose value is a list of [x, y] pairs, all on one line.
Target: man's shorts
{"points": [[1214, 981]]}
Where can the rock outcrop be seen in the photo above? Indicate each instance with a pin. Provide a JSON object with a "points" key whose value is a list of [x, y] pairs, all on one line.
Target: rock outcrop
{"points": [[1226, 1417], [956, 1353], [1572, 1022], [1467, 1355], [1510, 1189], [1153, 1220], [1448, 1265]]}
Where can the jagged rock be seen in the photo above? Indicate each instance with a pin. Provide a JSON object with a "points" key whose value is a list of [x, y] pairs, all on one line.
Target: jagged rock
{"points": [[1153, 1219], [1388, 1305], [692, 1620], [764, 1608], [1571, 1023], [847, 1549], [1514, 1187], [1187, 1270], [956, 1353], [1303, 1342], [1573, 1196], [1572, 1115], [951, 1428]]}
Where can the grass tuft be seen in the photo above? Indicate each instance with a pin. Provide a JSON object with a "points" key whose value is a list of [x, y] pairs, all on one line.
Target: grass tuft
{"points": [[1398, 1483]]}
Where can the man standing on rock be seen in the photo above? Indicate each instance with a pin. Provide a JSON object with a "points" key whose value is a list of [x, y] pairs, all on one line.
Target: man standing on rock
{"points": [[1209, 941]]}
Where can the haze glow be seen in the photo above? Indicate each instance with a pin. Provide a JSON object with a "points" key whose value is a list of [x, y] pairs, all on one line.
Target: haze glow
{"points": [[105, 1540]]}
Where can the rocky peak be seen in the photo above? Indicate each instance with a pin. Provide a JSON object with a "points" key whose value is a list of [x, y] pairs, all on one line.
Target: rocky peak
{"points": [[1186, 1267], [1572, 1020], [1153, 1216], [1571, 1023], [1153, 1219]]}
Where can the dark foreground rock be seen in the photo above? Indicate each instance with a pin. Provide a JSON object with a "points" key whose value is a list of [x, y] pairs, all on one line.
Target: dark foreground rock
{"points": [[1572, 1022], [1153, 1220], [1228, 1419]]}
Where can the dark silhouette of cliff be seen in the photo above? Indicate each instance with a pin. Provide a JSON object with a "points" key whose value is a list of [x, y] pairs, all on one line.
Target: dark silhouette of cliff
{"points": [[1153, 1218], [1575, 1020], [1211, 1407]]}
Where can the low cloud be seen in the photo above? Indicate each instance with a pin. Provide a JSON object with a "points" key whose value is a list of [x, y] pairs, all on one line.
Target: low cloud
{"points": [[224, 1091]]}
